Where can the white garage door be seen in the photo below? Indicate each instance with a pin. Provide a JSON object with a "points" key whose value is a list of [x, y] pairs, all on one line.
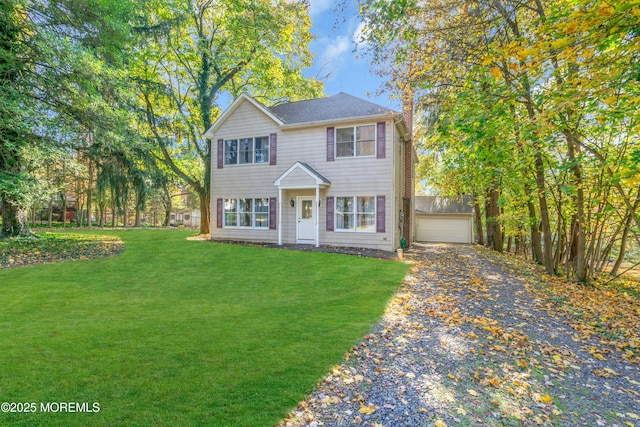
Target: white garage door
{"points": [[449, 229]]}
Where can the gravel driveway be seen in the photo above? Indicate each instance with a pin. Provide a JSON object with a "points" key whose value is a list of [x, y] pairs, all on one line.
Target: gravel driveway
{"points": [[466, 341]]}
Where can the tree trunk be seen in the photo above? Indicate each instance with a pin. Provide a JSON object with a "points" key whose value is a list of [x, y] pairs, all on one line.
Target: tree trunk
{"points": [[89, 194], [580, 239], [138, 215], [102, 208], [113, 209], [15, 220], [544, 213], [63, 197], [204, 212], [478, 215], [494, 231], [625, 235], [125, 207], [50, 214], [536, 244], [167, 216]]}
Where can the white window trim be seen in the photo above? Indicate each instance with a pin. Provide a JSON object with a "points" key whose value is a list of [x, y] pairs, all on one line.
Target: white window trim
{"points": [[355, 214], [253, 214], [253, 151], [355, 156]]}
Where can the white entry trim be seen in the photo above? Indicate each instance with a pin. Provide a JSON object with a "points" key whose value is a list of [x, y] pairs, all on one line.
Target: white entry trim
{"points": [[306, 228], [318, 182]]}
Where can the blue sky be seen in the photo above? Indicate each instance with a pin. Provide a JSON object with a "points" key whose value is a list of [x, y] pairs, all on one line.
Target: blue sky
{"points": [[347, 71]]}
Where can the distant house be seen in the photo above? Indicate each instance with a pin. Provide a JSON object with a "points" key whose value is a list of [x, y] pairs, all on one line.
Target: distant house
{"points": [[330, 171], [188, 218], [444, 219]]}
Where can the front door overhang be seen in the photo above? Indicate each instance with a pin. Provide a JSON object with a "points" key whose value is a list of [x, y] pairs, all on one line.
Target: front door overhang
{"points": [[301, 176]]}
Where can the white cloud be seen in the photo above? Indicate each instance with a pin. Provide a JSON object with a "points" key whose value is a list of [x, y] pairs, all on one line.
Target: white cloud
{"points": [[319, 6], [335, 49], [360, 35]]}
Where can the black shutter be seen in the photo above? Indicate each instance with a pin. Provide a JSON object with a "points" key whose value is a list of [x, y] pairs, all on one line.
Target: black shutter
{"points": [[219, 213], [272, 213], [273, 148], [330, 212], [220, 154], [380, 140], [380, 214], [330, 144]]}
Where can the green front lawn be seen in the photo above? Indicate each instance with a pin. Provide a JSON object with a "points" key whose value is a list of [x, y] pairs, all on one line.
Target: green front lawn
{"points": [[176, 332]]}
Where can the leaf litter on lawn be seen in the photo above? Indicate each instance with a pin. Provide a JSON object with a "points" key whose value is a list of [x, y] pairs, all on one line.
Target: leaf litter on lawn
{"points": [[472, 338], [55, 247]]}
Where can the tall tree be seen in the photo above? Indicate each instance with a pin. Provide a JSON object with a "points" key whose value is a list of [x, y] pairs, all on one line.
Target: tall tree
{"points": [[59, 63], [567, 74], [14, 182], [199, 55]]}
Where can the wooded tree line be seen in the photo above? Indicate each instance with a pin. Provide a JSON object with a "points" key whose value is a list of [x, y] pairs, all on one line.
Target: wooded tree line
{"points": [[117, 95], [532, 107]]}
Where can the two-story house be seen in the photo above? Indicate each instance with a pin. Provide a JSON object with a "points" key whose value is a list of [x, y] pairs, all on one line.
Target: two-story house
{"points": [[334, 171]]}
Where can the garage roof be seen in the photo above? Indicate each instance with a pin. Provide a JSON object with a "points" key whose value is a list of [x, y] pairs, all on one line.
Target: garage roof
{"points": [[444, 205]]}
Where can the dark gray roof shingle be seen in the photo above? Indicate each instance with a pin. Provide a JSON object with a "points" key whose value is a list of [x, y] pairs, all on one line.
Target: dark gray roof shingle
{"points": [[340, 106]]}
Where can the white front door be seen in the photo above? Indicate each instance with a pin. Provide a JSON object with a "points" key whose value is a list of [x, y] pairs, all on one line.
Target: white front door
{"points": [[306, 216]]}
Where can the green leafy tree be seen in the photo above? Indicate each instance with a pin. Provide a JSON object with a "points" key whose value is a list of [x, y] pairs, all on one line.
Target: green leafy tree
{"points": [[198, 55], [548, 89], [60, 63]]}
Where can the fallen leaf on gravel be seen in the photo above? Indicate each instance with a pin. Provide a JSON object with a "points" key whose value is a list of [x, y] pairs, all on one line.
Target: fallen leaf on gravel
{"points": [[367, 410], [472, 393], [546, 399], [461, 411], [495, 381], [596, 353], [330, 400], [612, 372], [440, 423]]}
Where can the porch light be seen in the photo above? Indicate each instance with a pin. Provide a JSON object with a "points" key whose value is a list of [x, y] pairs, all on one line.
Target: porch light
{"points": [[292, 202]]}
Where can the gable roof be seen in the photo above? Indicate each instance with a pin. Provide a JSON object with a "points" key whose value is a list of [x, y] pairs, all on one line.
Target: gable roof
{"points": [[312, 173], [234, 105], [338, 107]]}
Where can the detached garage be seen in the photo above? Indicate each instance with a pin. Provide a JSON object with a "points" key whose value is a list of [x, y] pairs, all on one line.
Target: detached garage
{"points": [[444, 219]]}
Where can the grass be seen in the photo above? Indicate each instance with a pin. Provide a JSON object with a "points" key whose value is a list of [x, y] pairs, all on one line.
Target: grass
{"points": [[177, 332]]}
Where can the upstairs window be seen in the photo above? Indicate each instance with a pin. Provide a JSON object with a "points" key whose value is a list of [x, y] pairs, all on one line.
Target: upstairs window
{"points": [[356, 141], [246, 150]]}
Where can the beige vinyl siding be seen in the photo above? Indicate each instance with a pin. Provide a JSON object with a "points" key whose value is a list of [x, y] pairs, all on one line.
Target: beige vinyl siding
{"points": [[358, 176], [246, 121], [298, 177]]}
